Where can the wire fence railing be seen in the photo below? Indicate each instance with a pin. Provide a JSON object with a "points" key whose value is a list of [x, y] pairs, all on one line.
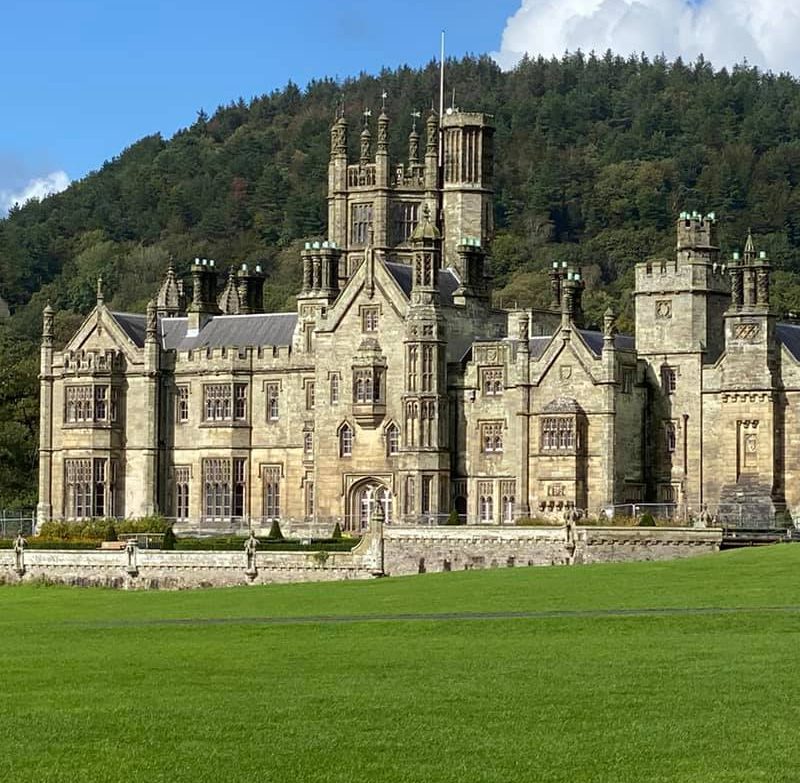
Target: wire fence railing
{"points": [[12, 523]]}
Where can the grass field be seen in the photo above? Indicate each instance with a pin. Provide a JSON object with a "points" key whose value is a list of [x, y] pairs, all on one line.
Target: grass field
{"points": [[680, 671]]}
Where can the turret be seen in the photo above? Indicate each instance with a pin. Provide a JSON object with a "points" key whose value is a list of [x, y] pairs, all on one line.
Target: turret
{"points": [[170, 299], [251, 289], [204, 295], [426, 261], [471, 271], [228, 301]]}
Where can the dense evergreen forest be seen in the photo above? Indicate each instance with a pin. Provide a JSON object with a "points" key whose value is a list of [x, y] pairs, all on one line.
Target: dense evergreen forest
{"points": [[595, 157]]}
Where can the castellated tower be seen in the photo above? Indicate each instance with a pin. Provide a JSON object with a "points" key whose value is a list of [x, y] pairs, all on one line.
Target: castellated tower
{"points": [[449, 172], [679, 315], [468, 163]]}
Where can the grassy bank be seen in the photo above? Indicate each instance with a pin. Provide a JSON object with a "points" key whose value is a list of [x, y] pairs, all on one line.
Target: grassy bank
{"points": [[103, 685]]}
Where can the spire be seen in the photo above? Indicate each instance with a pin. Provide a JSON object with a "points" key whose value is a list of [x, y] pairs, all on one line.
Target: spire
{"points": [[413, 140], [383, 133], [339, 137], [433, 134], [749, 247], [229, 301], [170, 300], [366, 138]]}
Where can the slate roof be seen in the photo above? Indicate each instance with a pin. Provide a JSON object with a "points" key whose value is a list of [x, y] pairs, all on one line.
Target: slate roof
{"points": [[231, 331], [594, 341], [789, 335], [134, 325], [402, 273]]}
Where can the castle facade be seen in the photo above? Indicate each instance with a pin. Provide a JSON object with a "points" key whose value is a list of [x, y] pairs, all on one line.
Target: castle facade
{"points": [[397, 388]]}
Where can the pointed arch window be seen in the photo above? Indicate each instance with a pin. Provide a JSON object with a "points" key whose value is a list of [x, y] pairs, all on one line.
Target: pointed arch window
{"points": [[345, 440], [392, 440]]}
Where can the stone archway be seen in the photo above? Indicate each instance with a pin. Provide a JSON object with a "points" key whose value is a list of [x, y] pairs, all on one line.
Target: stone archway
{"points": [[363, 500]]}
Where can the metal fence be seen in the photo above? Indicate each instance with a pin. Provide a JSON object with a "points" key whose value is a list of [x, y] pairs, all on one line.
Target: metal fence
{"points": [[14, 522]]}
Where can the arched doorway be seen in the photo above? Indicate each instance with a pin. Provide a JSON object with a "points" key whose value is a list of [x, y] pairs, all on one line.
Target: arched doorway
{"points": [[364, 500]]}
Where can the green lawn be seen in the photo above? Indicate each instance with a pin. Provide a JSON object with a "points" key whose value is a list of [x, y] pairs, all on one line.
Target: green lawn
{"points": [[100, 685]]}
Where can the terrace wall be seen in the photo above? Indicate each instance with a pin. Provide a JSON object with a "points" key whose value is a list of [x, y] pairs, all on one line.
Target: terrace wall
{"points": [[391, 552]]}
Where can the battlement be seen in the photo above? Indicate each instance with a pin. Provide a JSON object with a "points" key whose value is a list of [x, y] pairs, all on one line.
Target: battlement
{"points": [[697, 232]]}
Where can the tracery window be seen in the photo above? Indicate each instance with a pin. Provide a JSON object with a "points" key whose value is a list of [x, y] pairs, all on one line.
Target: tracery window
{"points": [[273, 401], [507, 492], [428, 367], [392, 440], [411, 365], [88, 487], [558, 433], [224, 402], [182, 405], [224, 487], [492, 437], [182, 492], [271, 477], [406, 217], [346, 441], [492, 381], [486, 501], [369, 318], [90, 404], [360, 223]]}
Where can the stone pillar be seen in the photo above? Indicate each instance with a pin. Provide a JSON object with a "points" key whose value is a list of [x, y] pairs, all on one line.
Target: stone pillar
{"points": [[44, 509]]}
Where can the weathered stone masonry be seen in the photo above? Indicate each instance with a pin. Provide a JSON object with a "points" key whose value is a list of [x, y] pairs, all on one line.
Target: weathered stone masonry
{"points": [[392, 552]]}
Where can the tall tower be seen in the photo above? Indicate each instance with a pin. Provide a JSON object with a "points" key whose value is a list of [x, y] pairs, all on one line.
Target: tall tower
{"points": [[374, 197], [468, 162], [426, 460], [679, 315], [749, 423]]}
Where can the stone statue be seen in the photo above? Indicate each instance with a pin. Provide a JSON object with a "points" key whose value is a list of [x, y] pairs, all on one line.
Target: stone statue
{"points": [[131, 552], [19, 553], [705, 519], [250, 547]]}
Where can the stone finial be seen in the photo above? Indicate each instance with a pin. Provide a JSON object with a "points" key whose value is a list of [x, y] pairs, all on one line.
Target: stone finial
{"points": [[383, 134], [433, 134], [609, 324], [152, 321], [229, 301], [47, 325], [100, 295], [413, 142], [749, 247], [170, 299], [366, 139], [339, 137]]}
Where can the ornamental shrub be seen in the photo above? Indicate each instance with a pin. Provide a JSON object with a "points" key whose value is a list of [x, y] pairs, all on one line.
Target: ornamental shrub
{"points": [[647, 520], [453, 518], [111, 532], [275, 533], [170, 539], [337, 532]]}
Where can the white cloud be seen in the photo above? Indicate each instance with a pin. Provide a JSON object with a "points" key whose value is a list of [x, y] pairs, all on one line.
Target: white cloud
{"points": [[37, 188], [726, 32]]}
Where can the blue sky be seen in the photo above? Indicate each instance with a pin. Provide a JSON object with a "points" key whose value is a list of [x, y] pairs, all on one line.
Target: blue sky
{"points": [[82, 79]]}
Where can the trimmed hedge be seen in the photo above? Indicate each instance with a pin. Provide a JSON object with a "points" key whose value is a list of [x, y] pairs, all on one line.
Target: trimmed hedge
{"points": [[236, 544]]}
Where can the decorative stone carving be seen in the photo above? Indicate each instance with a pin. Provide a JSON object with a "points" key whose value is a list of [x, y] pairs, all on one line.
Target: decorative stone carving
{"points": [[19, 554], [664, 308]]}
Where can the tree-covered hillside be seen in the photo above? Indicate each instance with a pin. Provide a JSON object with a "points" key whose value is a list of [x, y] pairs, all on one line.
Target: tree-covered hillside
{"points": [[595, 156]]}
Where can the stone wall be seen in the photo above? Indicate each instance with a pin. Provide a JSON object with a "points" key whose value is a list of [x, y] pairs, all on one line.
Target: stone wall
{"points": [[412, 550], [398, 551]]}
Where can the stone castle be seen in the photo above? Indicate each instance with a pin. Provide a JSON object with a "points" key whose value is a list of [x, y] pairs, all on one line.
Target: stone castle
{"points": [[398, 389]]}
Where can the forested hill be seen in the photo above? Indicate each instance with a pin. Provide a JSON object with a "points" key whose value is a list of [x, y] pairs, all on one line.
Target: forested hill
{"points": [[595, 157]]}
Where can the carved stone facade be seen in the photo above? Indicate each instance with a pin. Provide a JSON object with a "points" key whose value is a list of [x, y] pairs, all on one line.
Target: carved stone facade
{"points": [[397, 389]]}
